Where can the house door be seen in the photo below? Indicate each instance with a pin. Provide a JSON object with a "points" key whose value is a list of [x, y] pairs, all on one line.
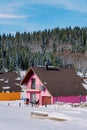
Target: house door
{"points": [[33, 97], [46, 100]]}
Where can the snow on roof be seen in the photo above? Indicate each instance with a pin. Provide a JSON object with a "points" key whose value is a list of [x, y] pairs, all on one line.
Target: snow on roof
{"points": [[6, 87], [85, 74], [84, 85], [85, 80], [17, 84], [1, 79], [80, 74], [22, 73], [7, 81], [18, 78]]}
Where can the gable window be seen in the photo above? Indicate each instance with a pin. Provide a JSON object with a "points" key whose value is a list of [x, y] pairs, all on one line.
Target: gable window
{"points": [[33, 83]]}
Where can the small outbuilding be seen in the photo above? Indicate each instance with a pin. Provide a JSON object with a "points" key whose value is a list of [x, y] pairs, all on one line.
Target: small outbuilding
{"points": [[10, 86]]}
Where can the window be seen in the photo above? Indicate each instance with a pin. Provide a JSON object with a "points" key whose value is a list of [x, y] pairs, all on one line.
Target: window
{"points": [[33, 83]]}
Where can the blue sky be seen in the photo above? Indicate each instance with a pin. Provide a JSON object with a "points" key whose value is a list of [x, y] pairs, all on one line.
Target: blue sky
{"points": [[35, 15]]}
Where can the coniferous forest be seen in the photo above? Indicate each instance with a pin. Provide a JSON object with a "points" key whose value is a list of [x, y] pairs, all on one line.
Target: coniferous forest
{"points": [[58, 46]]}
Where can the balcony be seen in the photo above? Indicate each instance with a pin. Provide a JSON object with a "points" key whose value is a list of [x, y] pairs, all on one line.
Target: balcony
{"points": [[36, 89]]}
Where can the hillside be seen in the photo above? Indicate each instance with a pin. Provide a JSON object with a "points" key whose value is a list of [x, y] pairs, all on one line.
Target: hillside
{"points": [[57, 46]]}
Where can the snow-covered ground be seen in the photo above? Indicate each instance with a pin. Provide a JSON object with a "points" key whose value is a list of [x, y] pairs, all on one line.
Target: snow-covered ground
{"points": [[15, 115]]}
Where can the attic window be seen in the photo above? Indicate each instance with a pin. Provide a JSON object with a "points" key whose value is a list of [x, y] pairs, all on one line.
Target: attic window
{"points": [[33, 83], [43, 88]]}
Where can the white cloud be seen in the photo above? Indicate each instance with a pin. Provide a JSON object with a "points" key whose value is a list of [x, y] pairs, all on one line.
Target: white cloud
{"points": [[14, 7], [23, 15], [76, 5], [11, 10], [10, 6], [11, 16]]}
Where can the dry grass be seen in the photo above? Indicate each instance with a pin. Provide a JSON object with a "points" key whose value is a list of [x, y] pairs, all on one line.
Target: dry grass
{"points": [[39, 115]]}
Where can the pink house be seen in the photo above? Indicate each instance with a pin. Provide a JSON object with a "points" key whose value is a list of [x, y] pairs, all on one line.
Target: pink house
{"points": [[49, 85]]}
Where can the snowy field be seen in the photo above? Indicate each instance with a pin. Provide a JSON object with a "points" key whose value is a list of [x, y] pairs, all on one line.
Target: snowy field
{"points": [[15, 115]]}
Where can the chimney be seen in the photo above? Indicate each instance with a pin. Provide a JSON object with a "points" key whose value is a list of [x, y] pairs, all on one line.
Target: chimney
{"points": [[46, 64]]}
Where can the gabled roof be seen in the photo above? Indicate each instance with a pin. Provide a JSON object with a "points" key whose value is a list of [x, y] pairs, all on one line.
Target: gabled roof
{"points": [[10, 81], [63, 82]]}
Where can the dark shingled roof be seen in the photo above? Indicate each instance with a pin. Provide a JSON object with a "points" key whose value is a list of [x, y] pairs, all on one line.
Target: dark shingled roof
{"points": [[9, 81], [63, 82]]}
